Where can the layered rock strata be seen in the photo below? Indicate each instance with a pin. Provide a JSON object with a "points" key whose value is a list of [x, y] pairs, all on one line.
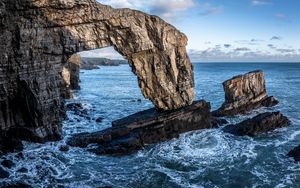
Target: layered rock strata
{"points": [[244, 93], [38, 37], [146, 127], [259, 124]]}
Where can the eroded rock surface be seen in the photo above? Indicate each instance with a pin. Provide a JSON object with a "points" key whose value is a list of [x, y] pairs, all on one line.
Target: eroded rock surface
{"points": [[146, 127], [259, 124], [39, 36], [244, 93]]}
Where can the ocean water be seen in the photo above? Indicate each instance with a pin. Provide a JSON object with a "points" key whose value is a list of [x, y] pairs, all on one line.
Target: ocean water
{"points": [[204, 158]]}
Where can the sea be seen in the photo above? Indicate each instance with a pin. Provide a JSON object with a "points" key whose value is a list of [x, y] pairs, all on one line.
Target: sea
{"points": [[203, 158]]}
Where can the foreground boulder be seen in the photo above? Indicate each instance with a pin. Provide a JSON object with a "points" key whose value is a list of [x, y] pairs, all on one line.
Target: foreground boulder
{"points": [[146, 127], [261, 123], [295, 153], [244, 93]]}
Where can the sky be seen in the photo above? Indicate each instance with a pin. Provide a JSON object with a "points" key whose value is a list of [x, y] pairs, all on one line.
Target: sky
{"points": [[226, 30]]}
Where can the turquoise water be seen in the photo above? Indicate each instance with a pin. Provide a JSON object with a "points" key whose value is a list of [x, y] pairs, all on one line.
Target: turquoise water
{"points": [[204, 158]]}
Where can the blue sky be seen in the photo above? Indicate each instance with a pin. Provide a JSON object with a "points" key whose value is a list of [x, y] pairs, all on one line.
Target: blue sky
{"points": [[227, 30]]}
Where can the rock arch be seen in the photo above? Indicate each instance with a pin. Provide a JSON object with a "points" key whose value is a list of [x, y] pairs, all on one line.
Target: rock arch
{"points": [[39, 36]]}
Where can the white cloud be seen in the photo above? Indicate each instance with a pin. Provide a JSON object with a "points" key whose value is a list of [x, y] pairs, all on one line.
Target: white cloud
{"points": [[169, 10], [260, 2], [209, 9]]}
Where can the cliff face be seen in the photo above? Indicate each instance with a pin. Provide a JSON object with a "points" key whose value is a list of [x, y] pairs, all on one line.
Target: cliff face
{"points": [[39, 36]]}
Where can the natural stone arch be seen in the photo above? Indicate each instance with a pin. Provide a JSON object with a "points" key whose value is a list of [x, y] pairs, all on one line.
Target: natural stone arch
{"points": [[154, 49], [40, 36]]}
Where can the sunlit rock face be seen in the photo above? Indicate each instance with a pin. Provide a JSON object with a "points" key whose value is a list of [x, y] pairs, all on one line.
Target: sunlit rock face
{"points": [[244, 93], [39, 36]]}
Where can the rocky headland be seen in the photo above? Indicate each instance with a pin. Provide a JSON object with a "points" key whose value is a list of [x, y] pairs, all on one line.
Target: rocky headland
{"points": [[89, 63]]}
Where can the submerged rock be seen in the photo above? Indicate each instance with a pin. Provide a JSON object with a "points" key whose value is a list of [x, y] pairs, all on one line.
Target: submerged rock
{"points": [[99, 119], [3, 173], [64, 148], [8, 163], [295, 153], [261, 123], [22, 170], [244, 93], [146, 127]]}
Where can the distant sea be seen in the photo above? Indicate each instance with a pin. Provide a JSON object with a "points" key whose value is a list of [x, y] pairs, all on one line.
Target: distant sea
{"points": [[204, 158]]}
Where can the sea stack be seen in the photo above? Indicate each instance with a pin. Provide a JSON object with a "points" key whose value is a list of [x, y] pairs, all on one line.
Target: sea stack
{"points": [[244, 93]]}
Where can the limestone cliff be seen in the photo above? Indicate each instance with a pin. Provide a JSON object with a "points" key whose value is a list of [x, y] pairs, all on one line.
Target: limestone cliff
{"points": [[39, 36]]}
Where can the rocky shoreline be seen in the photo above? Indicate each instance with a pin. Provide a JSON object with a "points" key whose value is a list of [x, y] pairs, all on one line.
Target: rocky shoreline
{"points": [[94, 63], [132, 133], [151, 126]]}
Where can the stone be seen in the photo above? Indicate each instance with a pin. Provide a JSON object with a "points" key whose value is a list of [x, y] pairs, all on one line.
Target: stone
{"points": [[216, 121], [64, 148], [147, 127], [295, 153], [99, 119], [3, 173], [22, 170], [259, 124], [7, 163], [38, 38], [244, 93], [78, 109]]}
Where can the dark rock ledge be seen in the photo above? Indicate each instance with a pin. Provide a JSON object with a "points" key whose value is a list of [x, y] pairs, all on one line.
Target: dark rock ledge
{"points": [[147, 127], [261, 123]]}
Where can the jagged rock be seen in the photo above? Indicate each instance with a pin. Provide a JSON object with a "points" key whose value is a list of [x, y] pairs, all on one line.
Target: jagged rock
{"points": [[146, 127], [216, 122], [3, 173], [38, 38], [261, 123], [244, 93], [70, 74], [7, 163], [64, 148], [78, 109], [74, 107], [295, 153]]}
